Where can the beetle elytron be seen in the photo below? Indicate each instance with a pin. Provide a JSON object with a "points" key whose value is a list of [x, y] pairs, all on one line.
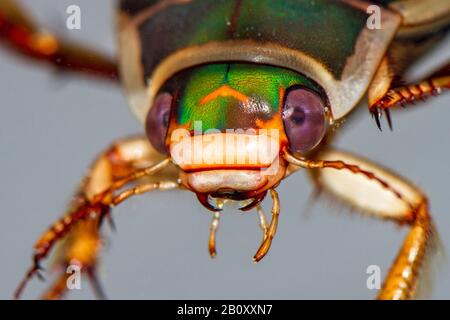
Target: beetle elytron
{"points": [[258, 71]]}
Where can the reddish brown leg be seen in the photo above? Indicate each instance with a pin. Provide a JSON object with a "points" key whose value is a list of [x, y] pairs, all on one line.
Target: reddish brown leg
{"points": [[79, 229], [271, 229], [22, 35], [379, 193], [433, 84], [82, 247], [92, 213], [58, 288]]}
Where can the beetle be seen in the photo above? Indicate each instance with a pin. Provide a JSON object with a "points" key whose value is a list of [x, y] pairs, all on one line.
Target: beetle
{"points": [[256, 101]]}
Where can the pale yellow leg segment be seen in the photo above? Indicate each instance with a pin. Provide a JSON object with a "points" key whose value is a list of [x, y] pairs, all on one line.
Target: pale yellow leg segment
{"points": [[402, 280], [383, 95], [126, 161], [380, 193]]}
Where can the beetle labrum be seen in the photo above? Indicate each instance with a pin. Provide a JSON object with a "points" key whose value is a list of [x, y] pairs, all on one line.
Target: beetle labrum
{"points": [[272, 89]]}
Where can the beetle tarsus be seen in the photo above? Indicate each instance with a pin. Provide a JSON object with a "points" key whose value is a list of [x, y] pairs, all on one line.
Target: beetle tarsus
{"points": [[388, 118], [96, 285], [34, 270], [270, 234], [376, 114], [40, 276]]}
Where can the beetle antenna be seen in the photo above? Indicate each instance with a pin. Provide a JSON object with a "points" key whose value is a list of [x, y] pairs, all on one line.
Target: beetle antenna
{"points": [[341, 165]]}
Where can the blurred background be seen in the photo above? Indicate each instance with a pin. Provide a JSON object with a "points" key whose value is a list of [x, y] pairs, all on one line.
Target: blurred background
{"points": [[52, 126]]}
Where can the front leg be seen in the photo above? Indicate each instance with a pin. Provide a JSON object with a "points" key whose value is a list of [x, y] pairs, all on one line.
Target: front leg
{"points": [[126, 161], [25, 37], [383, 194]]}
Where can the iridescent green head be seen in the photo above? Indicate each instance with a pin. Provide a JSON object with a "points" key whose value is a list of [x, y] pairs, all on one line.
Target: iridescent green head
{"points": [[232, 96], [264, 104]]}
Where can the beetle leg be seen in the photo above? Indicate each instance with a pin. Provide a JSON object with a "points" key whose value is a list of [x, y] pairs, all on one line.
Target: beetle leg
{"points": [[79, 229], [214, 226], [272, 229], [382, 194], [84, 238], [382, 97], [23, 36], [58, 288]]}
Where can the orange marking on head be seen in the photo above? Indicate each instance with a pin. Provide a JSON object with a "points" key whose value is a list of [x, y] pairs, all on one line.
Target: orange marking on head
{"points": [[224, 91]]}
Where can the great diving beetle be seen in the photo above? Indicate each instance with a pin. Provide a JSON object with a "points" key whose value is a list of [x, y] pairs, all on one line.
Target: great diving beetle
{"points": [[225, 67]]}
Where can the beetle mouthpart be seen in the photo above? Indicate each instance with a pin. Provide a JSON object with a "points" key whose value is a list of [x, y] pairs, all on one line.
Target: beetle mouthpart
{"points": [[226, 183], [254, 203], [206, 200], [216, 205], [269, 234], [215, 202]]}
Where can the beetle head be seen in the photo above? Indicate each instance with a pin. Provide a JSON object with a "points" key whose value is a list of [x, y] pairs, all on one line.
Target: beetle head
{"points": [[225, 126]]}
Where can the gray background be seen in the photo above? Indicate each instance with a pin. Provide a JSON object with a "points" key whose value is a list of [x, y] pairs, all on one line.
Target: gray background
{"points": [[51, 127]]}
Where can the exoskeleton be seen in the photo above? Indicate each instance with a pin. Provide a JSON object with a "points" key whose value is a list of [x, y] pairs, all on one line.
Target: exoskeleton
{"points": [[236, 95]]}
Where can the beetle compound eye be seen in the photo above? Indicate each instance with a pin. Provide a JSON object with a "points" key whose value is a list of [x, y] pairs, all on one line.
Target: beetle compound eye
{"points": [[304, 119], [158, 121]]}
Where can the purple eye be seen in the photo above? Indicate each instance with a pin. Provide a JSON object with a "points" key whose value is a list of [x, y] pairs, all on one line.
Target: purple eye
{"points": [[304, 119], [158, 121]]}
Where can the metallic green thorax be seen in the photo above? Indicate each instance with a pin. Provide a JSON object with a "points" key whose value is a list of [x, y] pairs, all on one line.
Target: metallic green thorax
{"points": [[231, 96]]}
